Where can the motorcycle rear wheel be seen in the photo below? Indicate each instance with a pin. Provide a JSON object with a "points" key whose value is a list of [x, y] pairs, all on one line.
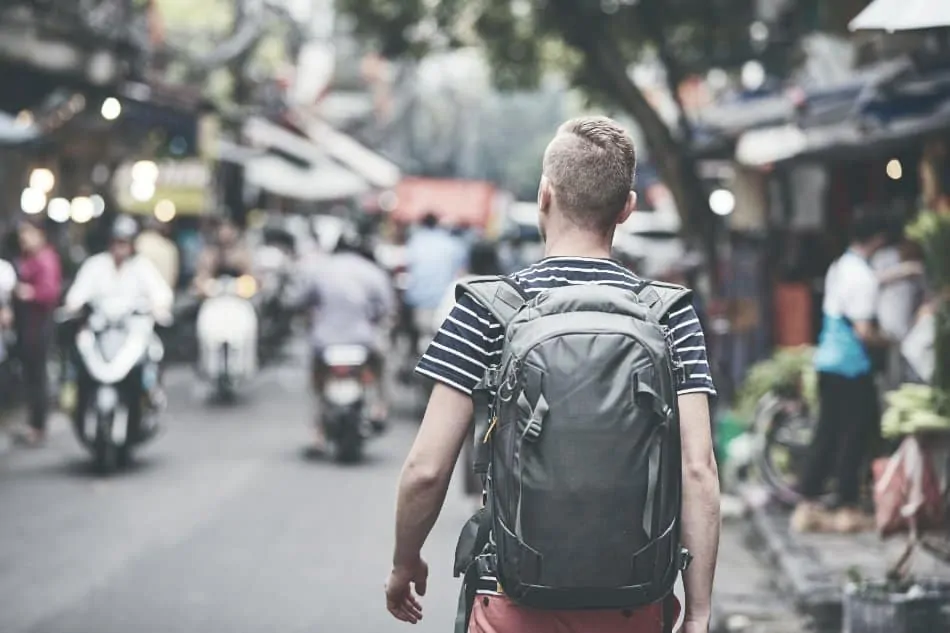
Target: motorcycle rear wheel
{"points": [[348, 449], [105, 452]]}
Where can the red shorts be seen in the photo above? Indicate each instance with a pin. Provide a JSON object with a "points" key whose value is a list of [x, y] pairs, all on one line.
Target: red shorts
{"points": [[498, 614]]}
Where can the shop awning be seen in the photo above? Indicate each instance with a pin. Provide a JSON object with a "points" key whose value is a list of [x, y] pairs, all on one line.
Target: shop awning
{"points": [[322, 180], [902, 15], [13, 132], [375, 169]]}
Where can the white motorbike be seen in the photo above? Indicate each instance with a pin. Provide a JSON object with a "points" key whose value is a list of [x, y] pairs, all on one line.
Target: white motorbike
{"points": [[344, 399], [227, 332], [116, 356]]}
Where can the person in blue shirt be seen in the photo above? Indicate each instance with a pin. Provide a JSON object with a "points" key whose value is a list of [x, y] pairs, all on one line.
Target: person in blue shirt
{"points": [[434, 260], [849, 418]]}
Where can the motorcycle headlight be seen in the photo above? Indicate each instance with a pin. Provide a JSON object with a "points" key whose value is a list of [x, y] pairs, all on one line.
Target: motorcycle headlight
{"points": [[245, 286]]}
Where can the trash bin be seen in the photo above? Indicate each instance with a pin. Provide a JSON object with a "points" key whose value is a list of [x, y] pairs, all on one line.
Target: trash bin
{"points": [[919, 607]]}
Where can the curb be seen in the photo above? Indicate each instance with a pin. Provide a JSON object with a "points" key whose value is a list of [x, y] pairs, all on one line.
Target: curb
{"points": [[798, 572]]}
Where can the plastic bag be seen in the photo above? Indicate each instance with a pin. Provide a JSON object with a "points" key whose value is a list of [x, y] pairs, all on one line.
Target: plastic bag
{"points": [[906, 491]]}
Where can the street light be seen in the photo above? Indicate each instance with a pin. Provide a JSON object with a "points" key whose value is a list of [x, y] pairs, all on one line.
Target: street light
{"points": [[82, 210], [58, 210], [165, 211], [145, 170], [42, 179], [895, 171], [111, 109], [722, 202], [142, 190], [32, 201], [98, 205], [753, 75]]}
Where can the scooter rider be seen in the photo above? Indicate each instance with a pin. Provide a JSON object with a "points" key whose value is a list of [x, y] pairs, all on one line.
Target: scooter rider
{"points": [[120, 270], [352, 303], [227, 255]]}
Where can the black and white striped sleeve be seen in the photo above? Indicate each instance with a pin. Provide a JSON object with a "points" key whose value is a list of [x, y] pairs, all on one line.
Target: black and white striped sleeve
{"points": [[689, 344], [469, 340]]}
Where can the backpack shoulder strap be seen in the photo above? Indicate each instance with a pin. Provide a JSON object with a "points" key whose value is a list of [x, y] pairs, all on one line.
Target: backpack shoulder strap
{"points": [[500, 295], [660, 297]]}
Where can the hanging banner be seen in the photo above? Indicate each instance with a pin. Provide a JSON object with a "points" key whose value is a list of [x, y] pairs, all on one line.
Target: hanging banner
{"points": [[168, 188]]}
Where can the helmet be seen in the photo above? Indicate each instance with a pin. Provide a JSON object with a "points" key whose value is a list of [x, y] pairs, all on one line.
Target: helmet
{"points": [[350, 238], [125, 229], [335, 233]]}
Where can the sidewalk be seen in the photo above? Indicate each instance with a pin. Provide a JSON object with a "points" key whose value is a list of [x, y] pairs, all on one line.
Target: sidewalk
{"points": [[813, 568], [744, 600]]}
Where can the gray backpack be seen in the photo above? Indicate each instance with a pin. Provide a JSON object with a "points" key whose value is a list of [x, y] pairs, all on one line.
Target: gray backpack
{"points": [[578, 444]]}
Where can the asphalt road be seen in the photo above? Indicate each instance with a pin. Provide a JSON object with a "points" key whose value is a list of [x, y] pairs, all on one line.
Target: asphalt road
{"points": [[223, 526]]}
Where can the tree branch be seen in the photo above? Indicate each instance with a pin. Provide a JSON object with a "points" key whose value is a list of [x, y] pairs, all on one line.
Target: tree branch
{"points": [[651, 15]]}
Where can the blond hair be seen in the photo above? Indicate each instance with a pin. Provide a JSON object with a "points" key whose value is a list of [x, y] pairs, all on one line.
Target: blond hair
{"points": [[590, 164]]}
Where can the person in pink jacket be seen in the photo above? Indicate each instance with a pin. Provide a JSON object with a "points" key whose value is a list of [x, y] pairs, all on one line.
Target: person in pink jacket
{"points": [[36, 295]]}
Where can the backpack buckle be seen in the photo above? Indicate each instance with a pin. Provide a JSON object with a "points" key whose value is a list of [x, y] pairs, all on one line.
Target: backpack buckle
{"points": [[492, 377]]}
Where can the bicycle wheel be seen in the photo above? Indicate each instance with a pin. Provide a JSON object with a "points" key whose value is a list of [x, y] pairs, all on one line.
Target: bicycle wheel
{"points": [[786, 428]]}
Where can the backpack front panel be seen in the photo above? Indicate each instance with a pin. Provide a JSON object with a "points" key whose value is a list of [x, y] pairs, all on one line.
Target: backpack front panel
{"points": [[583, 467]]}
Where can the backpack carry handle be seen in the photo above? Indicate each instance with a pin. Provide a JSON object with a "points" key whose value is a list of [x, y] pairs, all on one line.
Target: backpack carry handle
{"points": [[500, 295]]}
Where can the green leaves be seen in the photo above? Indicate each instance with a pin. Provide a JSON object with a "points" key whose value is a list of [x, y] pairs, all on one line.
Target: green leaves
{"points": [[790, 370]]}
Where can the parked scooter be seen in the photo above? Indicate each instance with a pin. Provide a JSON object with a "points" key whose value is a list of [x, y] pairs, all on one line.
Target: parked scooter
{"points": [[115, 354], [227, 332], [343, 400]]}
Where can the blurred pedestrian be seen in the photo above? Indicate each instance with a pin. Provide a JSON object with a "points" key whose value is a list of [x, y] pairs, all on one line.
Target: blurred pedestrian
{"points": [[434, 260], [7, 284], [849, 418], [36, 296], [154, 244]]}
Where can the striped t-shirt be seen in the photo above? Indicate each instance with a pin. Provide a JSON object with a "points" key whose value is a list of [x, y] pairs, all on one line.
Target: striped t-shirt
{"points": [[470, 339]]}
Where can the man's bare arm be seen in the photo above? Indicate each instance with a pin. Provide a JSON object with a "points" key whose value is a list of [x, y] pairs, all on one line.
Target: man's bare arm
{"points": [[870, 335], [428, 470], [700, 511]]}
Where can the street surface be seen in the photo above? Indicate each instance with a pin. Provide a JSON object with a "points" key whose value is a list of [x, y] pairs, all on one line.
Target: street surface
{"points": [[223, 525]]}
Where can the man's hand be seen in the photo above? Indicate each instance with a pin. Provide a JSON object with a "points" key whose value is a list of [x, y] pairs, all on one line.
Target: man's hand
{"points": [[24, 292], [6, 317], [400, 599]]}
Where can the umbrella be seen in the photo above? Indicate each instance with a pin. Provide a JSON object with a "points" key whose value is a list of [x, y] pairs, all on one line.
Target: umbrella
{"points": [[902, 15]]}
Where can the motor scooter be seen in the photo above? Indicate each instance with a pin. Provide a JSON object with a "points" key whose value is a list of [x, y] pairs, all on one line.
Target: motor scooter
{"points": [[344, 395], [114, 358], [227, 333]]}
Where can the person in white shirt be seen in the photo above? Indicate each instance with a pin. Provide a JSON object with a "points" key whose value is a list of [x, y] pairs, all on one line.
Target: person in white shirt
{"points": [[121, 270], [8, 280]]}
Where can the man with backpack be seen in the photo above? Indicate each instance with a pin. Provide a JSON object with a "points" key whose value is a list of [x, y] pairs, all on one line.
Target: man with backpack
{"points": [[589, 388]]}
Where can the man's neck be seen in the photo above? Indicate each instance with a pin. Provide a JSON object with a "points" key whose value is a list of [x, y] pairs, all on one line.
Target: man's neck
{"points": [[861, 250], [577, 244]]}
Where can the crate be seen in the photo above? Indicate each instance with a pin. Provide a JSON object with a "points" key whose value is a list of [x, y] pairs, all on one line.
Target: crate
{"points": [[876, 608]]}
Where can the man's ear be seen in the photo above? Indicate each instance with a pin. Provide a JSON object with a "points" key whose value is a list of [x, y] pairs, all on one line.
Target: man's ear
{"points": [[628, 208], [544, 195]]}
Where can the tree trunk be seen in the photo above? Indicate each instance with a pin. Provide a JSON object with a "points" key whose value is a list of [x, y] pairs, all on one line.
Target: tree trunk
{"points": [[584, 31], [678, 170]]}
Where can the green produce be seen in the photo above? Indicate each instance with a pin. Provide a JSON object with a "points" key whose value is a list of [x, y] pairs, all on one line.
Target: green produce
{"points": [[790, 371], [912, 409]]}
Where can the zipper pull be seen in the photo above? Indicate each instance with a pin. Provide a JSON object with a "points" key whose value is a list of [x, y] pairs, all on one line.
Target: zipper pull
{"points": [[491, 427]]}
